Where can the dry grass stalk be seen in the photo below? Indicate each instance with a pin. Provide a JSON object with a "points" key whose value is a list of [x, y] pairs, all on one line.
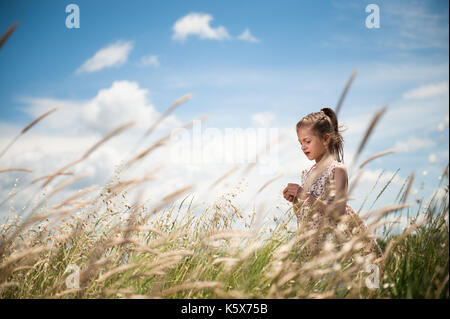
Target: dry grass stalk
{"points": [[139, 297], [75, 196], [34, 218], [29, 221], [164, 240], [443, 284], [122, 185], [8, 33], [162, 265], [47, 176], [180, 101], [110, 135], [66, 292], [145, 249], [226, 234], [26, 128], [11, 169], [166, 199], [220, 179], [376, 156], [177, 193], [369, 131], [228, 261], [175, 253], [192, 286], [325, 295], [405, 233], [269, 182], [344, 92], [8, 284], [21, 254], [118, 292], [287, 277], [64, 185], [115, 271], [380, 213], [162, 141], [35, 121], [144, 229], [90, 151], [408, 188]]}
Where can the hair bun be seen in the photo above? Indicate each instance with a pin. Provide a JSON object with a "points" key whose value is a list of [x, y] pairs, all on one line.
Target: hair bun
{"points": [[332, 115]]}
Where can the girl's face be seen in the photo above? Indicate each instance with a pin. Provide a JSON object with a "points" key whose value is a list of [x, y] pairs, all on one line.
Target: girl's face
{"points": [[312, 145]]}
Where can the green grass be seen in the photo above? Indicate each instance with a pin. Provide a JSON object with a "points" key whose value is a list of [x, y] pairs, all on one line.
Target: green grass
{"points": [[176, 260]]}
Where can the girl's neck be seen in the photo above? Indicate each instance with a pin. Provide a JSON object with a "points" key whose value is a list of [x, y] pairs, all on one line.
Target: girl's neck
{"points": [[324, 157]]}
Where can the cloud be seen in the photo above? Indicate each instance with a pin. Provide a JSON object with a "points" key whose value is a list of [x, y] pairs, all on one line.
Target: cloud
{"points": [[427, 91], [150, 60], [247, 36], [113, 55], [263, 119], [412, 144], [416, 25], [122, 102], [72, 130], [198, 24]]}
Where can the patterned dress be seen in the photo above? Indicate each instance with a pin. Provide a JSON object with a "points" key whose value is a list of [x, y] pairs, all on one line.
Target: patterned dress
{"points": [[328, 226]]}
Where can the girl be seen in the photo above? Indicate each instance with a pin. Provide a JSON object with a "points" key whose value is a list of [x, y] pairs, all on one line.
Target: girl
{"points": [[320, 200]]}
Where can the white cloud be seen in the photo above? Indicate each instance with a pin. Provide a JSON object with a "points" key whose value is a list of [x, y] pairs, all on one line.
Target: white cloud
{"points": [[113, 55], [247, 36], [70, 131], [263, 119], [150, 60], [412, 144], [418, 27], [371, 176], [123, 102], [427, 91], [198, 24]]}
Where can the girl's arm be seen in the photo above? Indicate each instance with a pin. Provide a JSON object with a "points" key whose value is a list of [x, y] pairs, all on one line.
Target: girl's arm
{"points": [[341, 184]]}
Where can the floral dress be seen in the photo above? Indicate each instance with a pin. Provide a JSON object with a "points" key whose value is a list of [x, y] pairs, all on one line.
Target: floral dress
{"points": [[324, 226]]}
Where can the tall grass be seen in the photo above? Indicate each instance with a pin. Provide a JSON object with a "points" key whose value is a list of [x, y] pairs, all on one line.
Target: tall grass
{"points": [[126, 250], [179, 250]]}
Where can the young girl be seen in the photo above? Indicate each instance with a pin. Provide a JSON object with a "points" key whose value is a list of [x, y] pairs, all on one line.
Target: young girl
{"points": [[320, 200]]}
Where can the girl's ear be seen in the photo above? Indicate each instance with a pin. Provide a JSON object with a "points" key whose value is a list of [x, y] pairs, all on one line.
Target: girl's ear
{"points": [[327, 139]]}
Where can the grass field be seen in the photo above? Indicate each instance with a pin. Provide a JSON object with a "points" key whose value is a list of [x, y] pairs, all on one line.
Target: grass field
{"points": [[106, 247]]}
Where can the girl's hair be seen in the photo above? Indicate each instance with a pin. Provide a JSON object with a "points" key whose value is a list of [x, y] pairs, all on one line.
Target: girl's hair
{"points": [[324, 122]]}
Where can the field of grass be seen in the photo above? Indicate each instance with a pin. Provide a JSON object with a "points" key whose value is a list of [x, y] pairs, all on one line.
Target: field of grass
{"points": [[106, 247]]}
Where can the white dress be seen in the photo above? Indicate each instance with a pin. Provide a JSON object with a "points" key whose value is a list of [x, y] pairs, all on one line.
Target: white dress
{"points": [[308, 218]]}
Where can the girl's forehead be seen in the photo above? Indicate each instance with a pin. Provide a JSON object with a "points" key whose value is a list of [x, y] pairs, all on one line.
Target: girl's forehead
{"points": [[304, 132]]}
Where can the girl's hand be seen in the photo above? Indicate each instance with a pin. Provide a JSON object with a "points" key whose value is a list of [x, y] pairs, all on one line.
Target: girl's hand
{"points": [[292, 192]]}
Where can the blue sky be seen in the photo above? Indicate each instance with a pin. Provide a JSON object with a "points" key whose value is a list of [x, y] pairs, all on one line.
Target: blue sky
{"points": [[301, 56]]}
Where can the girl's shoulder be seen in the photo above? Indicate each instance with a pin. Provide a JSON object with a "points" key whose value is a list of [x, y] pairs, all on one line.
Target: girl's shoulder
{"points": [[336, 165]]}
